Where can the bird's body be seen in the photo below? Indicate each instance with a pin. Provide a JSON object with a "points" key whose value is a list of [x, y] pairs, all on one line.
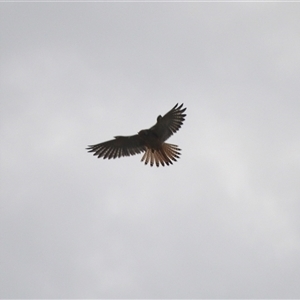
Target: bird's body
{"points": [[151, 141]]}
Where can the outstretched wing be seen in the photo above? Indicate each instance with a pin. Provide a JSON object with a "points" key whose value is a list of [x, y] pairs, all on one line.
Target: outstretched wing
{"points": [[120, 146], [169, 123]]}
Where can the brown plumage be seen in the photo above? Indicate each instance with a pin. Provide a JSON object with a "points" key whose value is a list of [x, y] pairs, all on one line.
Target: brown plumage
{"points": [[151, 141]]}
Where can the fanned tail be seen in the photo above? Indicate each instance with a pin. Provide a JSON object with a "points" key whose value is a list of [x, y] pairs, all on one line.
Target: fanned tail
{"points": [[165, 155]]}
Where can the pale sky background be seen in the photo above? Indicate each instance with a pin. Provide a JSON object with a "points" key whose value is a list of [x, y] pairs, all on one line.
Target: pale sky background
{"points": [[222, 222]]}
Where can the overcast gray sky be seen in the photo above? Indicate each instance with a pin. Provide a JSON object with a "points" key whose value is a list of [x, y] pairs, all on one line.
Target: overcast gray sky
{"points": [[223, 221]]}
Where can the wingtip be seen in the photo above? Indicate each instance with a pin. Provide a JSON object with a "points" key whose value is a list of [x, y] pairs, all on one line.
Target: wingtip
{"points": [[177, 106]]}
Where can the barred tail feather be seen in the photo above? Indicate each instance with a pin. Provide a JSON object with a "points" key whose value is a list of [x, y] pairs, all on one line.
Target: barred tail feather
{"points": [[165, 155]]}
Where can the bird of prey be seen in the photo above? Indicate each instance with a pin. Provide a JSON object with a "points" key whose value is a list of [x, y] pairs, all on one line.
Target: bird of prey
{"points": [[150, 141]]}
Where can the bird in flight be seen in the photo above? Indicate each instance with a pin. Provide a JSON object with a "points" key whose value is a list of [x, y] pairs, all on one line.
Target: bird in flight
{"points": [[150, 141]]}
